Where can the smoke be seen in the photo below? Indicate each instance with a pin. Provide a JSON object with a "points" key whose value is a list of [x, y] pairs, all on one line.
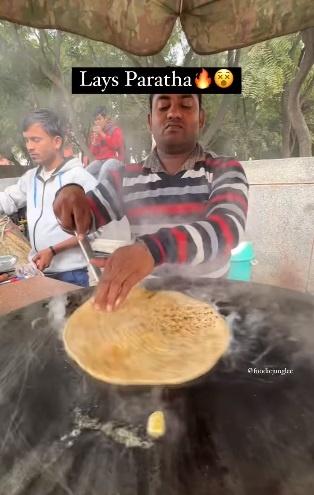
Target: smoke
{"points": [[57, 313], [276, 336]]}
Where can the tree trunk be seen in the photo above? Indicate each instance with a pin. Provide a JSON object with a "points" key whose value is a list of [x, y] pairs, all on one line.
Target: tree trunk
{"points": [[80, 138], [294, 108], [286, 123], [217, 121]]}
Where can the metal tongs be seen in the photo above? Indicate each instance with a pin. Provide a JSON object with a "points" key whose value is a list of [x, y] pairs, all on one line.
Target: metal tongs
{"points": [[89, 254], [87, 251]]}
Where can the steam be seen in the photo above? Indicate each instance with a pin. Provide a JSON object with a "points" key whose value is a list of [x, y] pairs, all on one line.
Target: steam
{"points": [[57, 313]]}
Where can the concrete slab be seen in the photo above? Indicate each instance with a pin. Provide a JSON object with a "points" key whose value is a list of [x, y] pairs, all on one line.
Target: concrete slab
{"points": [[310, 282], [280, 171], [281, 226]]}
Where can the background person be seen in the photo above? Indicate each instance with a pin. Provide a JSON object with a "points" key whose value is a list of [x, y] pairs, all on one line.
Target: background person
{"points": [[106, 143], [55, 252]]}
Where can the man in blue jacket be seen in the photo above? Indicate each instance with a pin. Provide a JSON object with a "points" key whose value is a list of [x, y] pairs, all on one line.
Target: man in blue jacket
{"points": [[53, 251]]}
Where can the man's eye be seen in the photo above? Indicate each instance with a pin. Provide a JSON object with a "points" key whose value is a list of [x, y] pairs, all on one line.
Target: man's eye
{"points": [[187, 105], [164, 107]]}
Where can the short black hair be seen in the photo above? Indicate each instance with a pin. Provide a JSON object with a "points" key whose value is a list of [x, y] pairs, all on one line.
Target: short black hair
{"points": [[48, 119], [100, 111], [151, 96]]}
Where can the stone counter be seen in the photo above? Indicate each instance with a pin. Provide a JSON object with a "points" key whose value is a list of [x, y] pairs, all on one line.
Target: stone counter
{"points": [[16, 295]]}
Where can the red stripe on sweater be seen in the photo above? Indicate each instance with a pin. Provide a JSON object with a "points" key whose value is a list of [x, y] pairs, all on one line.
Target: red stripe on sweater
{"points": [[160, 247], [226, 231], [100, 219], [172, 209], [229, 163], [229, 197], [181, 240]]}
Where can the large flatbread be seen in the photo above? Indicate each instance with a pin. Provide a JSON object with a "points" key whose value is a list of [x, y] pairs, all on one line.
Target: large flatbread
{"points": [[155, 338]]}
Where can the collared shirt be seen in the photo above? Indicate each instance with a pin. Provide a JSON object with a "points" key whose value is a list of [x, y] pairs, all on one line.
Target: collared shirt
{"points": [[154, 163], [46, 174]]}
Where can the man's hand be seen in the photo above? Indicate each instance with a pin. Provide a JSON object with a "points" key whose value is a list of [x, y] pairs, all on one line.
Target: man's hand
{"points": [[97, 129], [125, 268], [72, 210], [43, 259]]}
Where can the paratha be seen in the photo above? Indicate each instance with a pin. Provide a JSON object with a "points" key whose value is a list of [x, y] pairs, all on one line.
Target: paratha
{"points": [[162, 337]]}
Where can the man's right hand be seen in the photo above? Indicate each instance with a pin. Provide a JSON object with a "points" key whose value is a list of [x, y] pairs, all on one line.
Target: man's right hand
{"points": [[72, 210]]}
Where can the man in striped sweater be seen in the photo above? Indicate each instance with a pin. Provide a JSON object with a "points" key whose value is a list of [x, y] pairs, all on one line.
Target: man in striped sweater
{"points": [[186, 207]]}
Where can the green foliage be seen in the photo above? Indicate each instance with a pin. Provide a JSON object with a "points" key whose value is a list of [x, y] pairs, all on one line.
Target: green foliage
{"points": [[252, 126], [268, 66], [36, 71]]}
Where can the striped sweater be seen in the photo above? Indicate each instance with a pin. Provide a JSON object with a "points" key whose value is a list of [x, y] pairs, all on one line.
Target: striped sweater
{"points": [[192, 219]]}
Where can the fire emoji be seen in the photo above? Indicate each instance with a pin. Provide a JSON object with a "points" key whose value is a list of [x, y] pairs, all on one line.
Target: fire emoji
{"points": [[202, 80]]}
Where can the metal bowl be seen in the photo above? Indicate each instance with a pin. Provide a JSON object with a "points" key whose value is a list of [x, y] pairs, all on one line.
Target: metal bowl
{"points": [[7, 263]]}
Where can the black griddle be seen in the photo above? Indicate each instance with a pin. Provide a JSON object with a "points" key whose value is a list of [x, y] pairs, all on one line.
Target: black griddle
{"points": [[232, 432]]}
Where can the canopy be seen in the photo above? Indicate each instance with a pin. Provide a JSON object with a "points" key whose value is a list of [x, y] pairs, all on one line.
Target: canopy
{"points": [[143, 27]]}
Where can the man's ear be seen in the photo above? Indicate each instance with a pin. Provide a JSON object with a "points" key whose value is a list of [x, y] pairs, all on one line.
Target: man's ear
{"points": [[202, 118], [149, 121], [58, 142]]}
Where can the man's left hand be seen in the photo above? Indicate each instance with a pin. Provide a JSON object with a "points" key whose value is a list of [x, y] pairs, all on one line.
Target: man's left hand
{"points": [[125, 268], [43, 259]]}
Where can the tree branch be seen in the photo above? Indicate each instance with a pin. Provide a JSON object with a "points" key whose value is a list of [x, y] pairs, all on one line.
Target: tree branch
{"points": [[217, 121], [286, 124], [134, 60], [233, 57], [187, 58], [57, 50], [158, 60], [44, 34], [138, 101], [92, 52]]}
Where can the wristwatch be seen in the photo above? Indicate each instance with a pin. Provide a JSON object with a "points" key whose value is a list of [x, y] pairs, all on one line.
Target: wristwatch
{"points": [[52, 250]]}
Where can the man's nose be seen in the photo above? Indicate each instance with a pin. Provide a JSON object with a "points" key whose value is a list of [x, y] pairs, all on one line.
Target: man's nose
{"points": [[174, 112], [29, 146]]}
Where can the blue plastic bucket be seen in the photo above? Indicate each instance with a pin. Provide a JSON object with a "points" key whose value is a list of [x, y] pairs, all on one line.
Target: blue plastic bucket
{"points": [[241, 262]]}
